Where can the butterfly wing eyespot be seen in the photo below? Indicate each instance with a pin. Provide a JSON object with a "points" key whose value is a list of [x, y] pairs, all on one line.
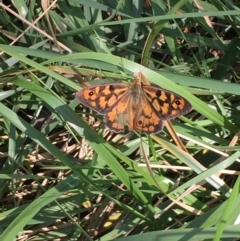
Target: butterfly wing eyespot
{"points": [[148, 125]]}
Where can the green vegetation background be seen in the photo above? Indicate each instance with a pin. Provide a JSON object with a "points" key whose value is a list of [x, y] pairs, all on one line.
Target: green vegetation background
{"points": [[64, 176]]}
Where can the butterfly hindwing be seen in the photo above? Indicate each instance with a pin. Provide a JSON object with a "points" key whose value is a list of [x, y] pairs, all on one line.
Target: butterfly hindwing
{"points": [[120, 116], [147, 120]]}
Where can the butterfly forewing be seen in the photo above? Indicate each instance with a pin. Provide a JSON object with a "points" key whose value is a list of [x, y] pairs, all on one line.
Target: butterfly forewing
{"points": [[102, 97], [167, 104]]}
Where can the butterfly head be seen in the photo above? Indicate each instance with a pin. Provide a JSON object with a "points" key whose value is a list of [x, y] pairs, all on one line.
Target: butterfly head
{"points": [[140, 79]]}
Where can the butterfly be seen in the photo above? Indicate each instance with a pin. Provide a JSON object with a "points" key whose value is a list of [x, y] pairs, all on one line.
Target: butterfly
{"points": [[137, 106]]}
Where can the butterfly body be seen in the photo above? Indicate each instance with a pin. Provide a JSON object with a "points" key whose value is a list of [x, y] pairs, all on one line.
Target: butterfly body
{"points": [[139, 107]]}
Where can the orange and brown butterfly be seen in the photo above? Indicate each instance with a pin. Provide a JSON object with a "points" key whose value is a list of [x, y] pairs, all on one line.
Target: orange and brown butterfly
{"points": [[137, 106]]}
